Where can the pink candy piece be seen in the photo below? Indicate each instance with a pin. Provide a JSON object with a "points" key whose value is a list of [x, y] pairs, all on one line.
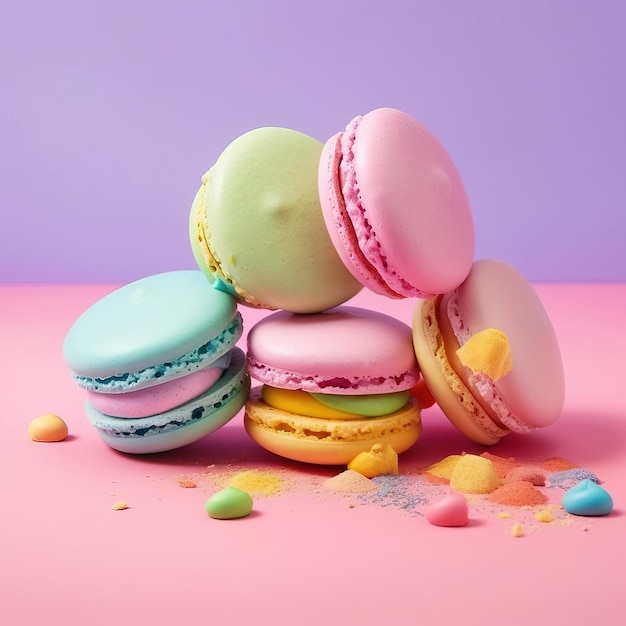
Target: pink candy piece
{"points": [[451, 510]]}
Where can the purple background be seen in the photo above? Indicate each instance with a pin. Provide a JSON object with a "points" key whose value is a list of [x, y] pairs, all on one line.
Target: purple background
{"points": [[111, 111]]}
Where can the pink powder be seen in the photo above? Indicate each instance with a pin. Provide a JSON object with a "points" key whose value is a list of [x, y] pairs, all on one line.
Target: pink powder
{"points": [[518, 493], [557, 464], [501, 465]]}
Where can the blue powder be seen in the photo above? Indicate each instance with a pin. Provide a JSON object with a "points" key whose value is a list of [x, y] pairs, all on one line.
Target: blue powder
{"points": [[566, 477], [398, 492]]}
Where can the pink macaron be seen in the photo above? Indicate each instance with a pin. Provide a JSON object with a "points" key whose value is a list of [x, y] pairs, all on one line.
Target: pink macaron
{"points": [[489, 354], [333, 384], [395, 206]]}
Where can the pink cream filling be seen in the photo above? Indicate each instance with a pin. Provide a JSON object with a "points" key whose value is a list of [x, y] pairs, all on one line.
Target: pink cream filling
{"points": [[373, 257], [482, 383], [156, 399], [283, 379]]}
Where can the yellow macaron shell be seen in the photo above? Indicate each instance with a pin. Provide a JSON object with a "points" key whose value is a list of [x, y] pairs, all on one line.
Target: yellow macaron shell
{"points": [[325, 441]]}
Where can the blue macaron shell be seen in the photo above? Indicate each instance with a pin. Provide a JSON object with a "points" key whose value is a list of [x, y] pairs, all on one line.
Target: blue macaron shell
{"points": [[150, 330], [182, 425]]}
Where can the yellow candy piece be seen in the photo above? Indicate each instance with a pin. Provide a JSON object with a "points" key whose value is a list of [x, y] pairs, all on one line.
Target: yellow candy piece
{"points": [[301, 403], [487, 352], [48, 427], [380, 460]]}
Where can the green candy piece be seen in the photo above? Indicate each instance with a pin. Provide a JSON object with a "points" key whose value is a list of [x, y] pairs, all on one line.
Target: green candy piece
{"points": [[229, 503], [372, 405]]}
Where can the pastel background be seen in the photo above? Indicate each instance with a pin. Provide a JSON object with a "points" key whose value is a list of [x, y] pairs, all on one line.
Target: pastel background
{"points": [[110, 111]]}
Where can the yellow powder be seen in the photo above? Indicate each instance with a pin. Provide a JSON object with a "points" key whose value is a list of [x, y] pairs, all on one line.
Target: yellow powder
{"points": [[487, 352], [445, 467], [257, 483], [474, 474]]}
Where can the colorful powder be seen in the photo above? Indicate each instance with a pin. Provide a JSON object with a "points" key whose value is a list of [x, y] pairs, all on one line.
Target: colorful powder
{"points": [[398, 492], [567, 477], [519, 493], [445, 467], [557, 464], [533, 475], [474, 474], [503, 466], [351, 481], [257, 483]]}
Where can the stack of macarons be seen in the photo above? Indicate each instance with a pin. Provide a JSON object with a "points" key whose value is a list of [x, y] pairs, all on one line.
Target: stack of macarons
{"points": [[284, 222], [287, 223], [158, 360]]}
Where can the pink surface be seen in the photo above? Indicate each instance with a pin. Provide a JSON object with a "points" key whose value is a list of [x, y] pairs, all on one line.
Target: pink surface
{"points": [[322, 352], [67, 557]]}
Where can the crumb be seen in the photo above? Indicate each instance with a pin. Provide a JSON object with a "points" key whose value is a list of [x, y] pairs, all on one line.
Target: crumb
{"points": [[120, 506], [504, 515], [544, 515], [186, 483], [517, 530]]}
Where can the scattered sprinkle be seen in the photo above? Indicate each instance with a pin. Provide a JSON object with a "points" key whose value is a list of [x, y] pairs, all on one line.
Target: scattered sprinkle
{"points": [[120, 506], [186, 483], [545, 515], [517, 530]]}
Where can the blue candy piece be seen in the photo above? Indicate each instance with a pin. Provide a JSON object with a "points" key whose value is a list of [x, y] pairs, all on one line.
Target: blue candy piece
{"points": [[587, 498]]}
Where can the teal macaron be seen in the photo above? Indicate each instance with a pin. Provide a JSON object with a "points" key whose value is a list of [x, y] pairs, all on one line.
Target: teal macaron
{"points": [[139, 345]]}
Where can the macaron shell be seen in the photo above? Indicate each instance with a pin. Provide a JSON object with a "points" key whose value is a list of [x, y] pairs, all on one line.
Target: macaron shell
{"points": [[183, 424], [339, 225], [149, 322], [344, 350], [328, 442], [452, 396], [413, 222], [257, 221], [495, 295]]}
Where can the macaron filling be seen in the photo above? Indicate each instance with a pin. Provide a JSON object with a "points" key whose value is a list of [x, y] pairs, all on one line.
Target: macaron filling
{"points": [[354, 385], [231, 383], [191, 361], [484, 388], [332, 406], [371, 258], [159, 398]]}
